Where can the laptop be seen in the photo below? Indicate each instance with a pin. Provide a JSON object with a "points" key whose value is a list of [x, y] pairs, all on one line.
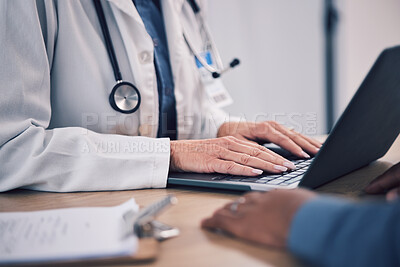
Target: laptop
{"points": [[365, 132]]}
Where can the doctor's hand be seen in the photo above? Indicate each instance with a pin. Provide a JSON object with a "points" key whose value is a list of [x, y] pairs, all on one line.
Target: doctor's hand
{"points": [[227, 155], [271, 131], [263, 218], [388, 182]]}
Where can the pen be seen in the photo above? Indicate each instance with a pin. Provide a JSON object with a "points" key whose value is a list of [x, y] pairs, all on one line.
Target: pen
{"points": [[150, 212]]}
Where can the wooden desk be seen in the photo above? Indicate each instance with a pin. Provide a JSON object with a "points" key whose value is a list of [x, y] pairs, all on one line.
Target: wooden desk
{"points": [[195, 247]]}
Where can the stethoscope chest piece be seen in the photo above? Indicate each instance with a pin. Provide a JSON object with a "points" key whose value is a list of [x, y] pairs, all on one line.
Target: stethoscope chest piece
{"points": [[125, 97]]}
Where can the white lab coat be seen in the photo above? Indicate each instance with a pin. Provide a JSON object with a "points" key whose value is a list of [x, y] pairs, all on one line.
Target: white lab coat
{"points": [[57, 129]]}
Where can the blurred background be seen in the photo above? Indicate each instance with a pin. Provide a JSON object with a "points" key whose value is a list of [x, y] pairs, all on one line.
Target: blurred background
{"points": [[301, 61]]}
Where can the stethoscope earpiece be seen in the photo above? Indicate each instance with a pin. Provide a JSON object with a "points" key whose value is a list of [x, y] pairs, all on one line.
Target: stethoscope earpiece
{"points": [[216, 75], [234, 63]]}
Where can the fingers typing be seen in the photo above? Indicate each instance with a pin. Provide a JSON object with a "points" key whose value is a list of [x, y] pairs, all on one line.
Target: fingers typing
{"points": [[249, 154], [299, 139]]}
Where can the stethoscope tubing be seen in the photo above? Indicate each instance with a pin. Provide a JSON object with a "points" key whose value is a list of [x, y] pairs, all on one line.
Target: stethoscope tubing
{"points": [[124, 96], [219, 69], [107, 39]]}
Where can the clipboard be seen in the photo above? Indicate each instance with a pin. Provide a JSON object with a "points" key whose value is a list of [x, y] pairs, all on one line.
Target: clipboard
{"points": [[149, 232], [148, 250]]}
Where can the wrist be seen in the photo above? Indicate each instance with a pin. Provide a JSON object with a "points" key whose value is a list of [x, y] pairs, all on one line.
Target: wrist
{"points": [[221, 130], [172, 164], [228, 129]]}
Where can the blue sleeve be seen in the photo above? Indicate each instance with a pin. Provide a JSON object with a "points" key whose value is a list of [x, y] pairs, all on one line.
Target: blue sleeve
{"points": [[333, 232]]}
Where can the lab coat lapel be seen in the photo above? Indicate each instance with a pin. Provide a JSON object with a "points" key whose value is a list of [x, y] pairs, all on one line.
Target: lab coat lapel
{"points": [[144, 74], [126, 7]]}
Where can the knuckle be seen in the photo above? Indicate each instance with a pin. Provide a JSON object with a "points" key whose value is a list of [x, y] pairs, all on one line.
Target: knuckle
{"points": [[256, 152], [227, 140], [213, 166], [296, 137], [273, 124], [264, 149], [243, 169], [230, 138], [212, 150], [260, 127], [244, 159], [229, 166], [283, 138], [233, 139], [222, 152]]}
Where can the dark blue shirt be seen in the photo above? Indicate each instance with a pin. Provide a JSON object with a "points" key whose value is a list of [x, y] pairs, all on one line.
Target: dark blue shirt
{"points": [[334, 232], [150, 12]]}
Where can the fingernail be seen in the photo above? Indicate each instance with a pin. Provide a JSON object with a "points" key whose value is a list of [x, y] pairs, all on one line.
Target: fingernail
{"points": [[280, 168], [290, 165], [316, 150], [257, 171], [391, 196], [304, 154]]}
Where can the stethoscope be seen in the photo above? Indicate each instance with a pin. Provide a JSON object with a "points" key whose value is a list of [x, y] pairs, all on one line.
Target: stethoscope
{"points": [[125, 97]]}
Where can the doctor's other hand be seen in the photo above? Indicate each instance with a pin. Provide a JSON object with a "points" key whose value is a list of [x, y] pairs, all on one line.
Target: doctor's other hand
{"points": [[271, 131], [227, 155], [263, 218], [388, 182]]}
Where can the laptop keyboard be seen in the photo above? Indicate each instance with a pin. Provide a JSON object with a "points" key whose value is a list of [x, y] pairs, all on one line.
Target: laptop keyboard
{"points": [[286, 178]]}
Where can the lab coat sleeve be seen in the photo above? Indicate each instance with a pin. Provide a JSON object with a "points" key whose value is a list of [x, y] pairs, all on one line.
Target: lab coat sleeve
{"points": [[63, 159], [333, 232]]}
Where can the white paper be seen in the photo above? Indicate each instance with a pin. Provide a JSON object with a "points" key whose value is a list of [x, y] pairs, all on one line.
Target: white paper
{"points": [[67, 234]]}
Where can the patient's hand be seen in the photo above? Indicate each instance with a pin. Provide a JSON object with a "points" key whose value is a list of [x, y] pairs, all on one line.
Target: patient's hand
{"points": [[388, 182], [271, 131], [261, 217], [227, 155]]}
